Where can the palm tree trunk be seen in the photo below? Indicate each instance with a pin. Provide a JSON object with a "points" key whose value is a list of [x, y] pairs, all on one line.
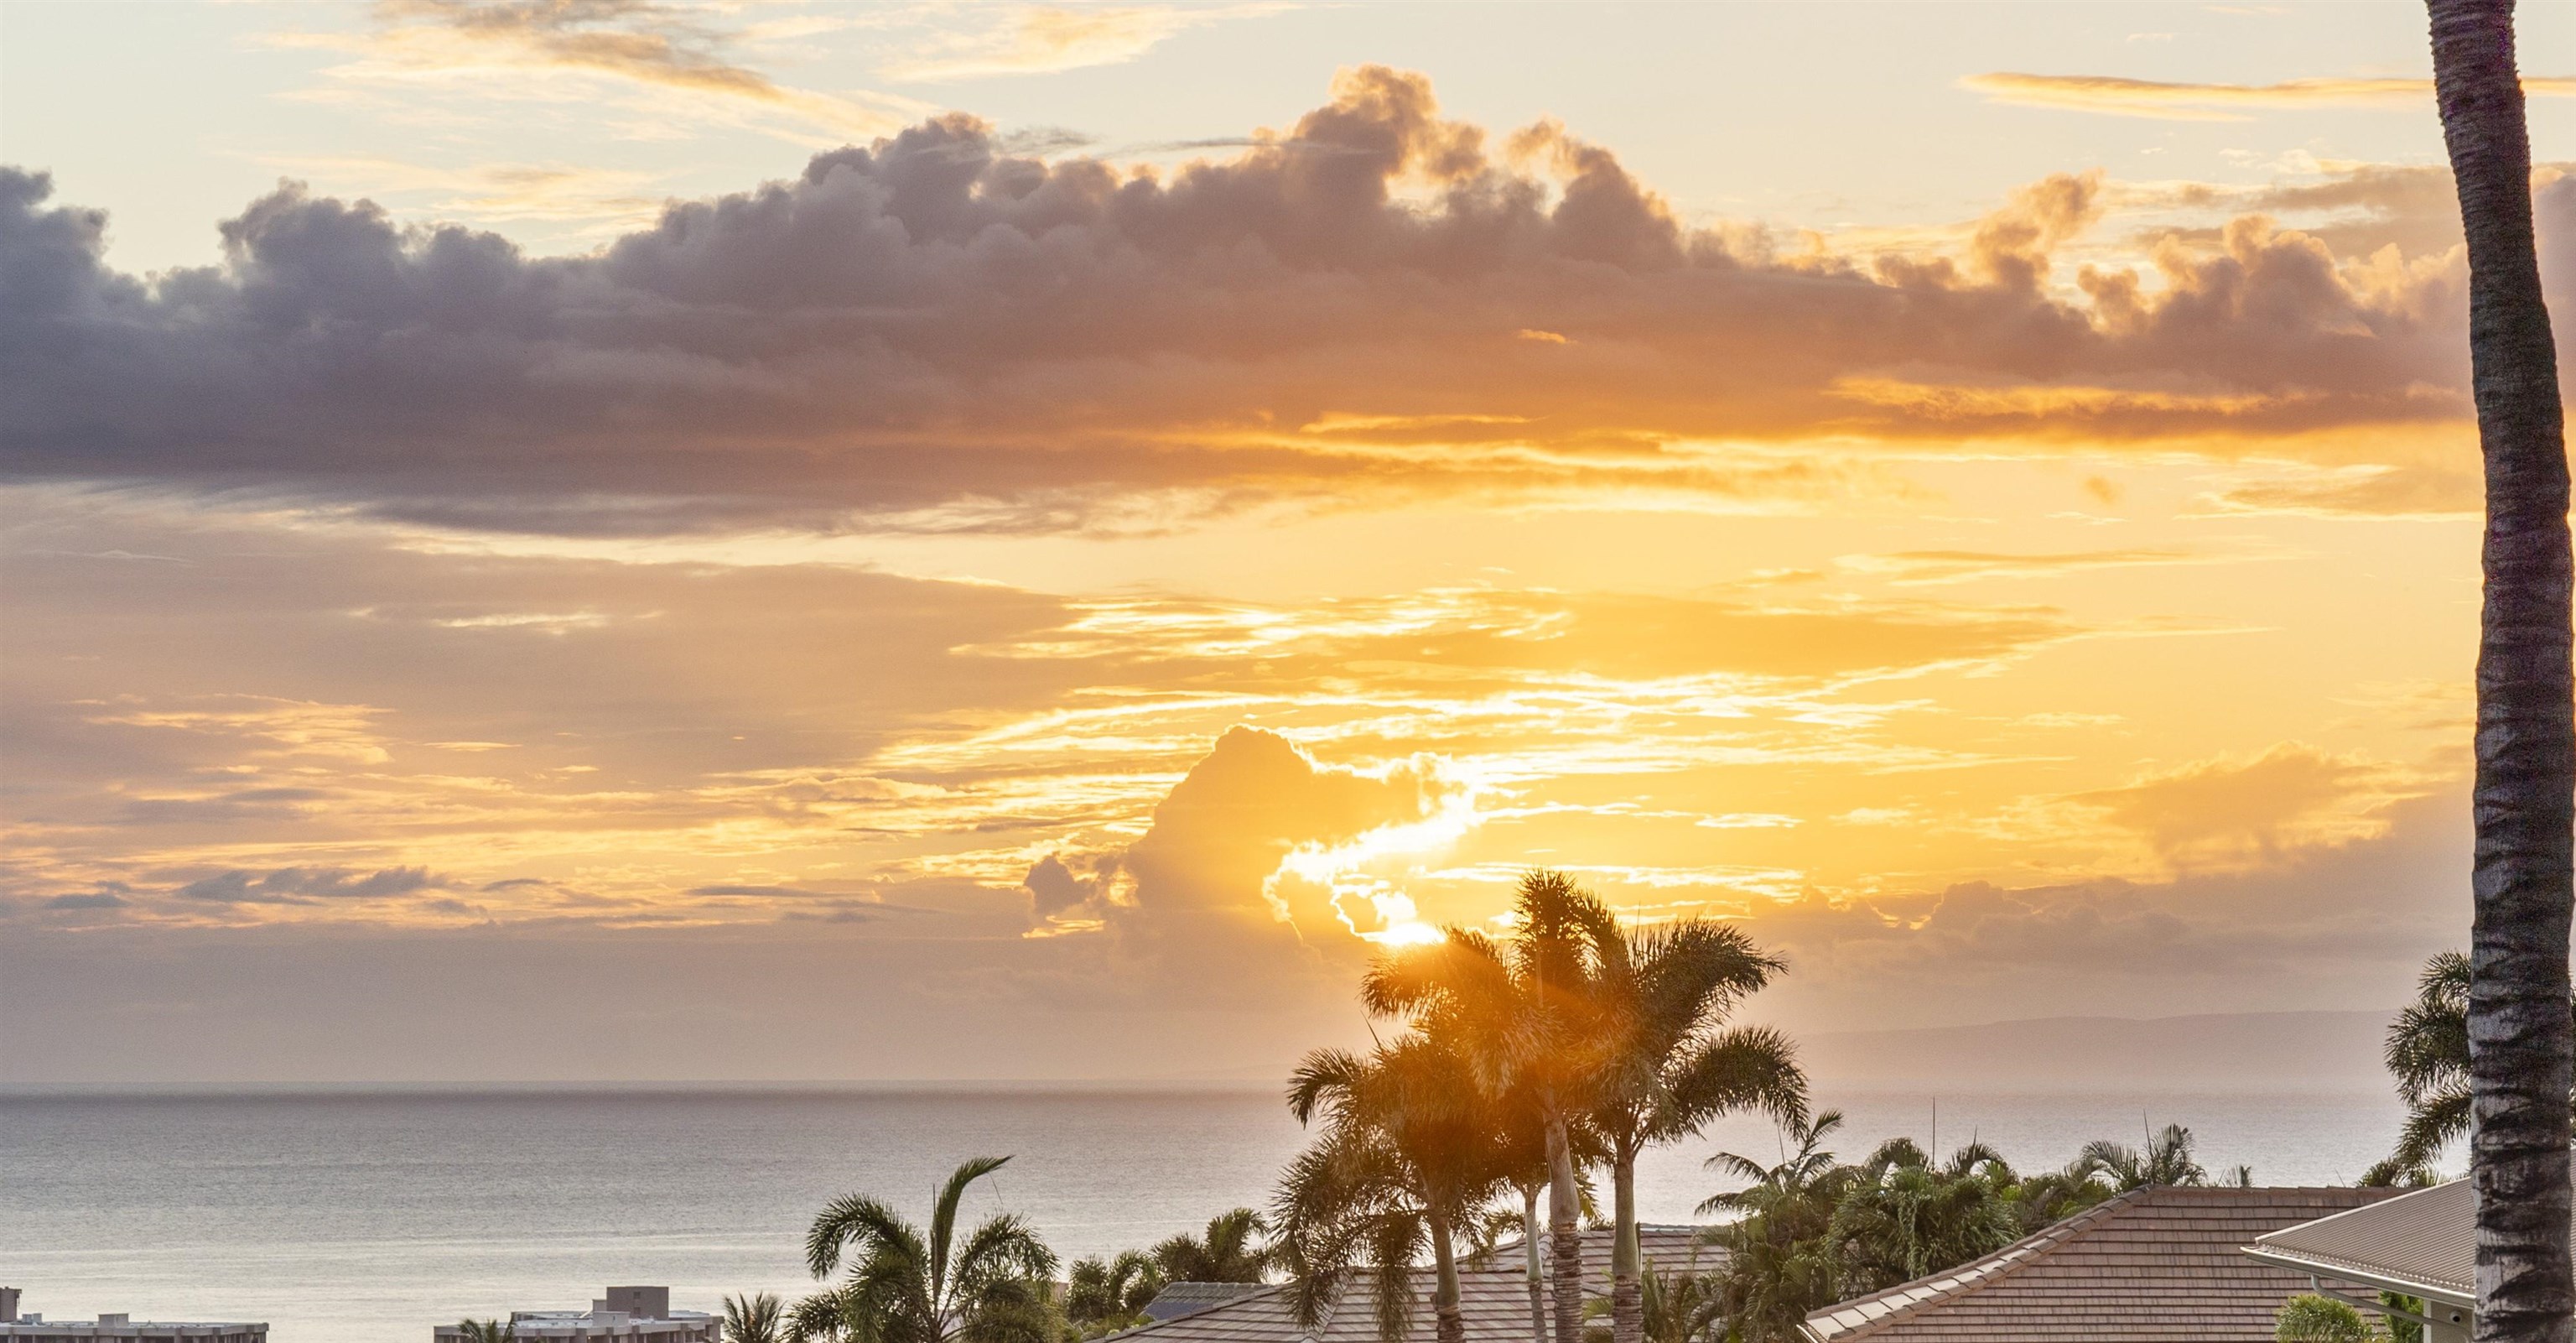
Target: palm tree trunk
{"points": [[1529, 1251], [1565, 1248], [1452, 1324], [1627, 1295], [2521, 1043]]}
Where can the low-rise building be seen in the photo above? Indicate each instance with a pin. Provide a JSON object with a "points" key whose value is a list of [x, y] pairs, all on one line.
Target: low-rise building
{"points": [[624, 1315], [2423, 1245], [23, 1328]]}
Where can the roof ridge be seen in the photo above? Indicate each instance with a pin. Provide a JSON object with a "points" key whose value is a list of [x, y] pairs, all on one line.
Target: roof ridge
{"points": [[2382, 1203]]}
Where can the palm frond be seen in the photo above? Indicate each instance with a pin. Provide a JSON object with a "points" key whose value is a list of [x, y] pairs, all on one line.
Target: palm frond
{"points": [[943, 1213]]}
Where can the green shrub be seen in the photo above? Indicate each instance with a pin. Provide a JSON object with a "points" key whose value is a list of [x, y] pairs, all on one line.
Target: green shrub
{"points": [[2310, 1318]]}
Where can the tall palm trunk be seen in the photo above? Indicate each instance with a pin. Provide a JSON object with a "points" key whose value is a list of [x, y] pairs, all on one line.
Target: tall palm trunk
{"points": [[1529, 1252], [2520, 1039], [1451, 1322], [1627, 1294], [1565, 1248]]}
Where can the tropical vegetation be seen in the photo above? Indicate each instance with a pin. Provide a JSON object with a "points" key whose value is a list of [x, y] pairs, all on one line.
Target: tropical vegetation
{"points": [[2312, 1318], [908, 1285], [1598, 1029], [754, 1319], [1405, 1158], [488, 1331], [1104, 1294], [2428, 1058], [1523, 1066], [1811, 1230]]}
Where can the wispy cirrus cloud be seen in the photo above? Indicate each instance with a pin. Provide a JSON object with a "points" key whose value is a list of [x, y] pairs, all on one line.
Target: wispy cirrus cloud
{"points": [[2165, 100], [668, 62], [1041, 39]]}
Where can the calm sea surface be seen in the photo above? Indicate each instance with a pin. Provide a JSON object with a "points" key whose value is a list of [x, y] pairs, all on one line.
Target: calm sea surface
{"points": [[368, 1218]]}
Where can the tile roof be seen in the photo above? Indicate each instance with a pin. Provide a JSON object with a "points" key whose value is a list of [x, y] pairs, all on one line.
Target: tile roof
{"points": [[2152, 1266], [1666, 1246], [1495, 1304], [2426, 1240], [1493, 1295], [1189, 1298]]}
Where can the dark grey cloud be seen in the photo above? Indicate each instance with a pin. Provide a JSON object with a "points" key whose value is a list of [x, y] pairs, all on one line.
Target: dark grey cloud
{"points": [[306, 885], [92, 900], [241, 804], [934, 331]]}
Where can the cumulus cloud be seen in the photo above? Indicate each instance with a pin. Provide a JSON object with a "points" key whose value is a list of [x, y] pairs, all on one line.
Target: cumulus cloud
{"points": [[2233, 809], [1205, 880], [931, 332]]}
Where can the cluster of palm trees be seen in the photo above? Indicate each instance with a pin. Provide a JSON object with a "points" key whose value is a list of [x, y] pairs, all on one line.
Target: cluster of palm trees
{"points": [[904, 1283], [1104, 1294], [1578, 1042], [1811, 1230]]}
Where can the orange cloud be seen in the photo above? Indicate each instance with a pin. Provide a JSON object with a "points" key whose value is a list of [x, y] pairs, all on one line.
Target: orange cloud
{"points": [[2170, 101]]}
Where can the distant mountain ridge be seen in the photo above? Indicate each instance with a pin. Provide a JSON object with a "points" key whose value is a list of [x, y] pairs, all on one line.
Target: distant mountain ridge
{"points": [[2228, 1052]]}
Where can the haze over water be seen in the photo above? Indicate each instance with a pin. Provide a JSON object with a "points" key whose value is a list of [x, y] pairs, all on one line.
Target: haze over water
{"points": [[371, 1217]]}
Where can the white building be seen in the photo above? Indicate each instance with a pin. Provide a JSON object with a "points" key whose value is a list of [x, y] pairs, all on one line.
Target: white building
{"points": [[624, 1315], [18, 1328]]}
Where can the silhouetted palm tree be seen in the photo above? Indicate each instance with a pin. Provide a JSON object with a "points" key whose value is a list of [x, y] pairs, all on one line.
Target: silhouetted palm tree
{"points": [[2165, 1160], [1523, 1018], [753, 1319], [1406, 1157], [488, 1331], [1229, 1252], [908, 1287], [1796, 1172], [1668, 1063], [2524, 1054]]}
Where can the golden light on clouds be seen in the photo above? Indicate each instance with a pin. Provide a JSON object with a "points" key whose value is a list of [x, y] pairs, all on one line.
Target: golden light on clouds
{"points": [[1088, 581], [2179, 101]]}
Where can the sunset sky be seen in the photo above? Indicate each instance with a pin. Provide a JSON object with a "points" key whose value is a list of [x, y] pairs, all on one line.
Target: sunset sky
{"points": [[601, 539]]}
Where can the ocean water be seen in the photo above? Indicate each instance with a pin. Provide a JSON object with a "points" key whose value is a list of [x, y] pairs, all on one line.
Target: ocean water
{"points": [[369, 1218]]}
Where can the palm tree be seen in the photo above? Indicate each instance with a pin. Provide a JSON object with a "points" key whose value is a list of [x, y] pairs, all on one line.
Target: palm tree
{"points": [[1228, 1253], [2053, 1196], [1407, 1155], [2165, 1160], [1793, 1176], [1102, 1294], [1682, 1307], [1523, 1019], [1779, 1263], [2523, 1054], [752, 1319], [2428, 1056], [1668, 1063], [1905, 1218], [488, 1331], [905, 1287]]}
